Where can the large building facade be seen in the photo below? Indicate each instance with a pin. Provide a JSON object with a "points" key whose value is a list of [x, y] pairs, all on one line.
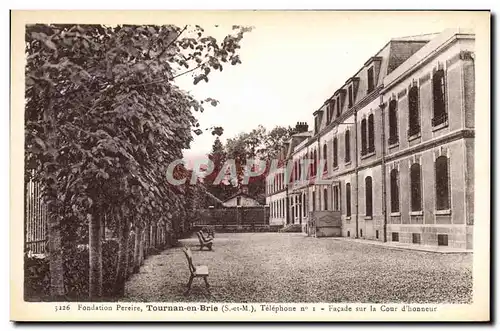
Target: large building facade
{"points": [[394, 146]]}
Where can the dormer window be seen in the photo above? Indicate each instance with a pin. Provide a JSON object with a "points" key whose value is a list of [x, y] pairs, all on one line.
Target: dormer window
{"points": [[350, 96], [329, 111], [373, 69], [371, 80]]}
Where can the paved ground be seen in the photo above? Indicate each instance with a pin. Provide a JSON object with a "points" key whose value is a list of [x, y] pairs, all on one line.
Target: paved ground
{"points": [[289, 267]]}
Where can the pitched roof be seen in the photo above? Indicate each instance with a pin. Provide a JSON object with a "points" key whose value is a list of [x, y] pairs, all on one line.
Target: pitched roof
{"points": [[213, 197], [241, 193]]}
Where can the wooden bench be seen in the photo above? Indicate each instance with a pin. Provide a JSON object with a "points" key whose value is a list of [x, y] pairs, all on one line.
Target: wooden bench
{"points": [[209, 231], [204, 242], [195, 271]]}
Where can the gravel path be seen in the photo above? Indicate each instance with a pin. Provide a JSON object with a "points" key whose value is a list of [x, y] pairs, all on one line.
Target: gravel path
{"points": [[289, 267]]}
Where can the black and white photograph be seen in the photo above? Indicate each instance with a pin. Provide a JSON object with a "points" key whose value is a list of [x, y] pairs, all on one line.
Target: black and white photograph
{"points": [[251, 165]]}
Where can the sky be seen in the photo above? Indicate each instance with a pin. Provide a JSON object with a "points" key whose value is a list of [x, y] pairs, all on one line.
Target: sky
{"points": [[291, 65]]}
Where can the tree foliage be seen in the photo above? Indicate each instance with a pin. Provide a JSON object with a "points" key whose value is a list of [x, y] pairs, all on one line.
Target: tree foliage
{"points": [[104, 117], [258, 144]]}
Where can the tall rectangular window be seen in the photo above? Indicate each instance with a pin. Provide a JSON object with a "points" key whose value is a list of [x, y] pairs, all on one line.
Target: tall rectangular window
{"points": [[348, 199], [371, 134], [325, 199], [335, 153], [394, 191], [439, 98], [368, 196], [363, 137], [313, 201], [350, 96], [339, 107], [336, 197], [325, 157], [416, 188], [371, 80], [393, 122], [304, 204], [414, 115], [347, 146], [442, 183]]}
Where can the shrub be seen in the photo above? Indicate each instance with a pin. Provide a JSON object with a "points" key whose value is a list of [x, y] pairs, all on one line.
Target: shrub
{"points": [[76, 273]]}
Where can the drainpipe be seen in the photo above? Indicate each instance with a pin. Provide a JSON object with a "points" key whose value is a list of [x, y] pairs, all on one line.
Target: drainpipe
{"points": [[384, 191], [356, 168]]}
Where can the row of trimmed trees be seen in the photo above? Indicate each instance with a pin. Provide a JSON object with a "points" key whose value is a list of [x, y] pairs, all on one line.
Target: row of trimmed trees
{"points": [[104, 119]]}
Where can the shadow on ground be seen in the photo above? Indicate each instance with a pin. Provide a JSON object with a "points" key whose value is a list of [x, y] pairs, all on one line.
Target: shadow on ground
{"points": [[289, 267]]}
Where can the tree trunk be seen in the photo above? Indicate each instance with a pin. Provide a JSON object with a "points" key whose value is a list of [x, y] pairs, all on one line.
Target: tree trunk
{"points": [[56, 262], [56, 267], [147, 241], [141, 245], [95, 258], [121, 269], [130, 251], [154, 235], [137, 246]]}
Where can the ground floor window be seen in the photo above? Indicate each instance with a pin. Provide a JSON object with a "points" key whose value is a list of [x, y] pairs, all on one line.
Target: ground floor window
{"points": [[336, 197], [395, 236], [348, 199], [442, 240]]}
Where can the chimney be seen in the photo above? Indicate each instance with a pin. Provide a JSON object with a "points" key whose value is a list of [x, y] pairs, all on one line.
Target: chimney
{"points": [[301, 127]]}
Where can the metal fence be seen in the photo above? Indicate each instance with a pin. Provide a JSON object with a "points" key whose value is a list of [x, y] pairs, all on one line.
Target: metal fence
{"points": [[35, 219], [234, 216]]}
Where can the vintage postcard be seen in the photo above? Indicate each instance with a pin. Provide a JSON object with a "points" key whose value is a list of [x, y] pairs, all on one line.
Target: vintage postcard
{"points": [[250, 166]]}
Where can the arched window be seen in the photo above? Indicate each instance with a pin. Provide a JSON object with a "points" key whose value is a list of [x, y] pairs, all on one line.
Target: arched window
{"points": [[325, 199], [368, 196], [442, 183], [363, 136], [416, 187], [371, 134], [325, 157], [347, 146], [414, 115], [335, 153], [393, 122], [348, 199], [439, 98], [394, 191]]}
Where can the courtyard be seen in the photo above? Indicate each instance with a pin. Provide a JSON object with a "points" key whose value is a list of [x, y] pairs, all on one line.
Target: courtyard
{"points": [[290, 267]]}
